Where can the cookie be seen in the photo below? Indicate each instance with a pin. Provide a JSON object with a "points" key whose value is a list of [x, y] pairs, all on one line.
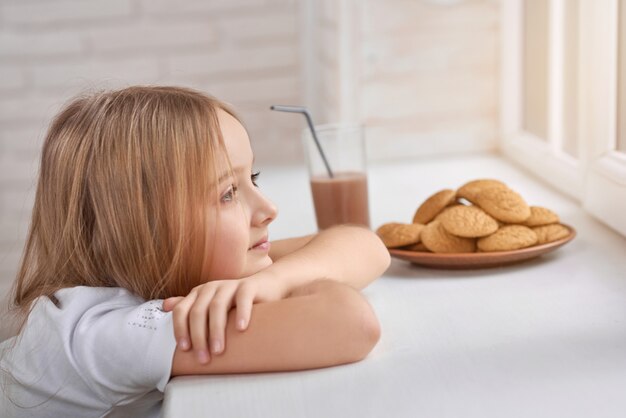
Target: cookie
{"points": [[470, 190], [507, 238], [451, 205], [549, 233], [396, 234], [417, 247], [541, 216], [467, 221], [438, 240], [433, 206], [503, 204]]}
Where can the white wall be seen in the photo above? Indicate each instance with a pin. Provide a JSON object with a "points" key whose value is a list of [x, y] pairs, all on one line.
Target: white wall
{"points": [[246, 52], [429, 80], [420, 74]]}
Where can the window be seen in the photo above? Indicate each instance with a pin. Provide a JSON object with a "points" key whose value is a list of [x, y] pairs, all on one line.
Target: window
{"points": [[621, 79], [535, 68], [564, 101]]}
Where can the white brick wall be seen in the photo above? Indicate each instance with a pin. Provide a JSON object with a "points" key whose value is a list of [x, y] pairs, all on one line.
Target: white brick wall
{"points": [[245, 52], [429, 76], [329, 32], [39, 13], [420, 75]]}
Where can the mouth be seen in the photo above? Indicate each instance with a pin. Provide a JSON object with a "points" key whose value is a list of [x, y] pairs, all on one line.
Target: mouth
{"points": [[263, 244]]}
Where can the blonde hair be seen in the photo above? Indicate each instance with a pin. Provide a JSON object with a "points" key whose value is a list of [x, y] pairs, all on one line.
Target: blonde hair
{"points": [[124, 179]]}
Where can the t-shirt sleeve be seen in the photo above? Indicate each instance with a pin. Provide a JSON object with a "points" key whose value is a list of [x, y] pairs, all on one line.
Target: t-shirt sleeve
{"points": [[123, 352]]}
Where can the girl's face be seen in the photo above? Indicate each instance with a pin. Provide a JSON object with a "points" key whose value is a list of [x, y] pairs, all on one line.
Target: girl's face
{"points": [[240, 238]]}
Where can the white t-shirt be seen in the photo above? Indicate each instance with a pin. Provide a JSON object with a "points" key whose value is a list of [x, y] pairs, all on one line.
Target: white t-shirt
{"points": [[100, 352]]}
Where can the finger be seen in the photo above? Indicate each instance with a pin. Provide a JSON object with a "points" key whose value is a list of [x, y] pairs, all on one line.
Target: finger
{"points": [[170, 303], [244, 299], [198, 324], [218, 312], [180, 319]]}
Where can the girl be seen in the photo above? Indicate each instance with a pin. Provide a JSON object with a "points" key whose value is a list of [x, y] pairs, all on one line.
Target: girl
{"points": [[148, 193]]}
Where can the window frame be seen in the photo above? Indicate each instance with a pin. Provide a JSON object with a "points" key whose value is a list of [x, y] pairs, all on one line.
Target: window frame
{"points": [[597, 178]]}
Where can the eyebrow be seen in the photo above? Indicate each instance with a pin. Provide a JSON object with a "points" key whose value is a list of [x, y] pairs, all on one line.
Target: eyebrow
{"points": [[227, 174]]}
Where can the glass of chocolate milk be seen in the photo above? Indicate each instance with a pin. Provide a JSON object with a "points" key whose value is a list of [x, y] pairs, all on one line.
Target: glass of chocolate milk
{"points": [[342, 198]]}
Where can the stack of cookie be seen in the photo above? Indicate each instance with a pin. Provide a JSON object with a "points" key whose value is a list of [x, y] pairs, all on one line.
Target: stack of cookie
{"points": [[482, 215]]}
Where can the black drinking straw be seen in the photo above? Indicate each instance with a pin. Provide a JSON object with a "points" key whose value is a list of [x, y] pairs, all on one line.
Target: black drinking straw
{"points": [[300, 109]]}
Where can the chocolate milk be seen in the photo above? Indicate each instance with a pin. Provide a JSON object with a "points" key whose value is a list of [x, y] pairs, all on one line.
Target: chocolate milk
{"points": [[342, 199]]}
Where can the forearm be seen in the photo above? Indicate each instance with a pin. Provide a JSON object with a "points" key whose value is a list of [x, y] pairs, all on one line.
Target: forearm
{"points": [[323, 324], [348, 257], [348, 254], [283, 247]]}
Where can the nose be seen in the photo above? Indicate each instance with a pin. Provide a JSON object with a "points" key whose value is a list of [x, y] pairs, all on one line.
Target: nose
{"points": [[265, 211]]}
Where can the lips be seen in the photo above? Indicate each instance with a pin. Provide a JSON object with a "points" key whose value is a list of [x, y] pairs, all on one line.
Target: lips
{"points": [[261, 244]]}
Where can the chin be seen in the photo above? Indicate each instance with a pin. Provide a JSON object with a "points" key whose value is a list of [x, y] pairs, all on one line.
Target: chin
{"points": [[260, 265]]}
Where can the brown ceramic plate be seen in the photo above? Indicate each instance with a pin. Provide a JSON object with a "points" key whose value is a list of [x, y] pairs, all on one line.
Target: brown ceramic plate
{"points": [[479, 260]]}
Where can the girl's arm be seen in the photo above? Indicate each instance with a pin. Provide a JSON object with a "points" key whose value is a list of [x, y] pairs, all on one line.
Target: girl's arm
{"points": [[281, 248], [323, 323], [349, 254], [352, 255]]}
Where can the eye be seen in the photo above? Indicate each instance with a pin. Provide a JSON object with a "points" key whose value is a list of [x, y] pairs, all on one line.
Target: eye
{"points": [[254, 177], [230, 194]]}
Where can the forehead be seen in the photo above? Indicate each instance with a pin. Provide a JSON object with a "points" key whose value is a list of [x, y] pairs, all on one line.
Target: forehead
{"points": [[236, 139]]}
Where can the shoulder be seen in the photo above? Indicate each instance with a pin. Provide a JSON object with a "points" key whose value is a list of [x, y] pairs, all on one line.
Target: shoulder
{"points": [[100, 317], [71, 306], [104, 345], [85, 297], [115, 339]]}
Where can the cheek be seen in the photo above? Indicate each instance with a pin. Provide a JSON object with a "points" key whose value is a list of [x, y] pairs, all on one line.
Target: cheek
{"points": [[230, 248]]}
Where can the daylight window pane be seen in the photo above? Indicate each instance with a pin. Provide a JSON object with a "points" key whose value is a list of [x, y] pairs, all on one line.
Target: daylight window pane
{"points": [[621, 79], [535, 68], [570, 87]]}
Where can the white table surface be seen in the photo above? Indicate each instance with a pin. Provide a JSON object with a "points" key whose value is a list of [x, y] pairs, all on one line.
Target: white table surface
{"points": [[545, 338]]}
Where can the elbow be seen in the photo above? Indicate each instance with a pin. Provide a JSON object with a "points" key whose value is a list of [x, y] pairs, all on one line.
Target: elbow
{"points": [[374, 247], [370, 332], [379, 252], [361, 328], [385, 257]]}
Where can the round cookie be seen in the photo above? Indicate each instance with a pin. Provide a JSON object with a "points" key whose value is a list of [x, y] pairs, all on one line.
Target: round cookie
{"points": [[541, 216], [398, 235], [438, 240], [503, 204], [417, 247], [507, 238], [433, 206], [549, 233], [467, 221], [451, 205], [470, 190]]}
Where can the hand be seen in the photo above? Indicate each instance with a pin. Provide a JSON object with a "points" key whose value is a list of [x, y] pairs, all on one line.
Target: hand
{"points": [[215, 299]]}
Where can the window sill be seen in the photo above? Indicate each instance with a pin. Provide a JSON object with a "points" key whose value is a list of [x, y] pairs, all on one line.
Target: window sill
{"points": [[545, 337]]}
